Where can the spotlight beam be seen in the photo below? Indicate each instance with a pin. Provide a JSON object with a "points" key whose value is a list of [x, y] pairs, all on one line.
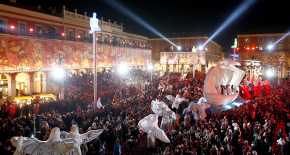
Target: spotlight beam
{"points": [[130, 14], [242, 7], [280, 39]]}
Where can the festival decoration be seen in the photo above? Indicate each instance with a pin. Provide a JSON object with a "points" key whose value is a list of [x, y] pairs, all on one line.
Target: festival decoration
{"points": [[176, 100], [80, 138], [32, 54], [225, 74], [200, 106], [149, 124], [161, 109], [54, 145]]}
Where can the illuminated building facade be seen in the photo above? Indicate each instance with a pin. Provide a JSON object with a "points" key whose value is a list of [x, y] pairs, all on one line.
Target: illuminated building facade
{"points": [[185, 54], [258, 47], [33, 40]]}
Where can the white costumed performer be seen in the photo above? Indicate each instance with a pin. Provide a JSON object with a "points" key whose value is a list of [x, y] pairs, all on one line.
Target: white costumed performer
{"points": [[54, 145], [200, 106], [149, 124], [161, 109], [81, 138]]}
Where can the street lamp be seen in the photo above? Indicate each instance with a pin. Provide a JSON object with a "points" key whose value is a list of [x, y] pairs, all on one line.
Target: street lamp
{"points": [[150, 68], [94, 24], [281, 60], [58, 73]]}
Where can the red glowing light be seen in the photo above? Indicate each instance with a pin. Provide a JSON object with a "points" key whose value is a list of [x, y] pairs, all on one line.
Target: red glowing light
{"points": [[12, 27], [31, 30], [62, 34], [79, 36]]}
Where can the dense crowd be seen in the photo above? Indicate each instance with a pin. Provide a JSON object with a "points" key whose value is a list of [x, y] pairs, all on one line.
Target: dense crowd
{"points": [[247, 129]]}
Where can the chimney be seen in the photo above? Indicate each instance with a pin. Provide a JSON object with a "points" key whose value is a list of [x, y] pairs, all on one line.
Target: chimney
{"points": [[38, 7], [76, 13], [12, 1]]}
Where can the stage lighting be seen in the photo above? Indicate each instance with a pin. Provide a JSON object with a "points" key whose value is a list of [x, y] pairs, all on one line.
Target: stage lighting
{"points": [[242, 8], [269, 72], [125, 11], [123, 69], [179, 48], [58, 73], [150, 67], [200, 48], [270, 46]]}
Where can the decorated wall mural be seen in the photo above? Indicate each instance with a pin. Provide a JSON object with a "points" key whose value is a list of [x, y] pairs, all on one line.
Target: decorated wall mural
{"points": [[17, 53], [182, 58]]}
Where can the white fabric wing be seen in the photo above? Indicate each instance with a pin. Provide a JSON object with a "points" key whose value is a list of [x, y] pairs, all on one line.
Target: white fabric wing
{"points": [[99, 104], [63, 134], [157, 107], [160, 134], [169, 113], [91, 135], [33, 146], [145, 123]]}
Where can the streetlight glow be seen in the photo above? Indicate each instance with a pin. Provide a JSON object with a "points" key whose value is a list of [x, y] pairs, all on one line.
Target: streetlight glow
{"points": [[58, 73], [123, 69]]}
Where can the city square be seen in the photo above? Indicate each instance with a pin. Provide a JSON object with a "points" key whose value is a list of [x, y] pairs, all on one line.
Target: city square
{"points": [[133, 77]]}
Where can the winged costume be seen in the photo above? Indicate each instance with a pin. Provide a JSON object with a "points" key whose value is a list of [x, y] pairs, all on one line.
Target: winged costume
{"points": [[176, 100], [54, 145], [149, 125], [161, 109], [81, 138]]}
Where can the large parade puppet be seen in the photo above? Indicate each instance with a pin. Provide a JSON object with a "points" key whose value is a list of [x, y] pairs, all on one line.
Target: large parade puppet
{"points": [[54, 145], [197, 109], [149, 125], [221, 85], [80, 138], [176, 100], [161, 109]]}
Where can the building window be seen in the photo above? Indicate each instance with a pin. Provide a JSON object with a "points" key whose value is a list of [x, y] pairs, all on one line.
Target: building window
{"points": [[157, 48], [197, 41], [280, 38], [179, 41], [53, 33], [186, 41], [70, 34], [164, 48], [164, 42], [3, 23], [247, 39], [150, 42], [210, 43], [288, 47], [270, 39], [156, 56], [21, 28], [171, 48], [260, 47], [157, 42], [261, 39], [186, 48], [280, 47]]}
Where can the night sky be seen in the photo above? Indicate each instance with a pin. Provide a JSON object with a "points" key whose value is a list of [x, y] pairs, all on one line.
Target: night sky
{"points": [[168, 16]]}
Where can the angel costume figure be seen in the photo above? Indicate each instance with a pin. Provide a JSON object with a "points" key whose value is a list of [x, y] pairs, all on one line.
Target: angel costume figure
{"points": [[53, 146], [81, 138], [176, 100], [149, 125], [161, 109], [200, 106]]}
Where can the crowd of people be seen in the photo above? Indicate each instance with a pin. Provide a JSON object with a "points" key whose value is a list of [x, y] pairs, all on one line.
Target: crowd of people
{"points": [[247, 129]]}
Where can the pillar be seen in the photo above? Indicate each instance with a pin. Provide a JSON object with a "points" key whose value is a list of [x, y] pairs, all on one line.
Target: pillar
{"points": [[12, 88], [44, 86], [47, 85], [30, 86]]}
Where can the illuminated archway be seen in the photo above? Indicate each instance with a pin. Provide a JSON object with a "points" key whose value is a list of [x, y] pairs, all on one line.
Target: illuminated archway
{"points": [[39, 82], [4, 78], [71, 72], [22, 81], [82, 71]]}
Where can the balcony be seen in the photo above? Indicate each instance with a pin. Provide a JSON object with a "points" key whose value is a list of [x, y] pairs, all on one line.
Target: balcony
{"points": [[75, 39]]}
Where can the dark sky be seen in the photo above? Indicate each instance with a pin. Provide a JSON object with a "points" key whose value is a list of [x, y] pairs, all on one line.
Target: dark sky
{"points": [[183, 16]]}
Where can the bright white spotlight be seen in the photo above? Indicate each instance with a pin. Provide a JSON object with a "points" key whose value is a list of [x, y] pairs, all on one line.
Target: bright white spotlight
{"points": [[270, 46], [227, 107], [200, 48], [269, 73], [58, 73], [179, 47], [123, 69], [150, 67]]}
